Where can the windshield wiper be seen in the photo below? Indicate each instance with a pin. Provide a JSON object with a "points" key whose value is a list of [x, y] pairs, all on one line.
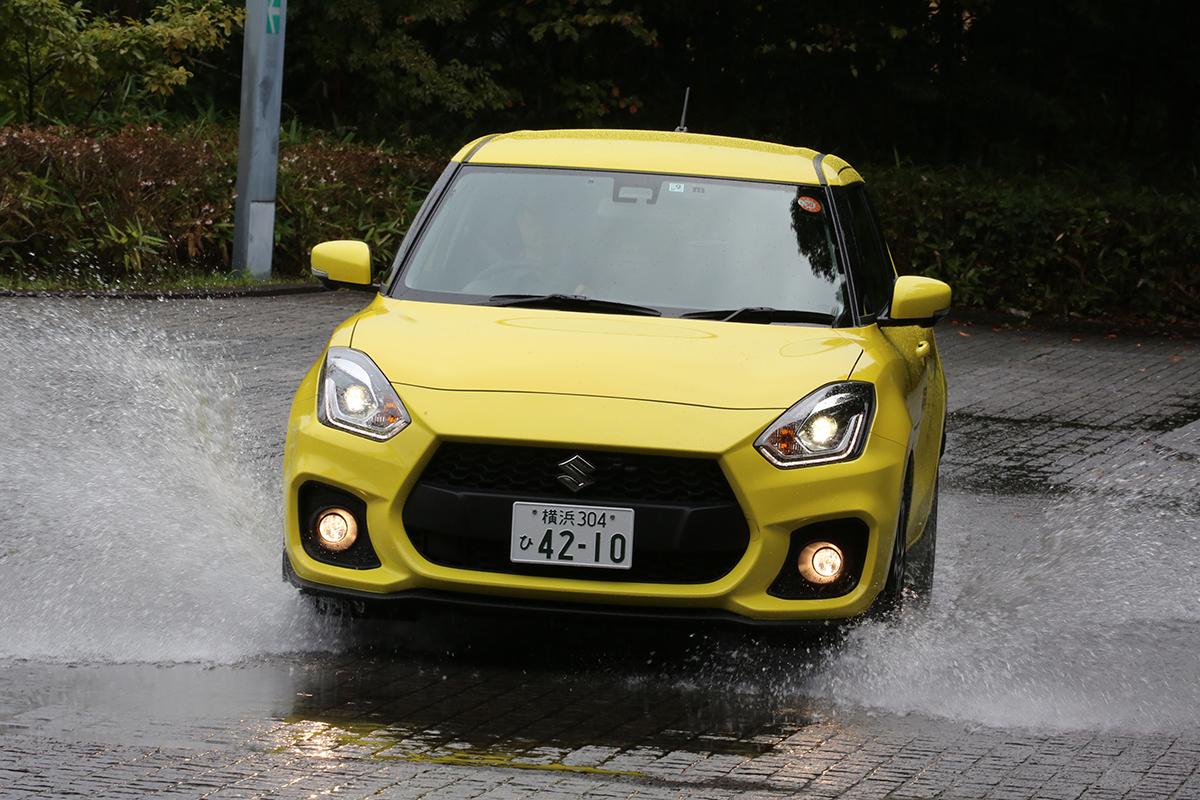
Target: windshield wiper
{"points": [[571, 302], [763, 314]]}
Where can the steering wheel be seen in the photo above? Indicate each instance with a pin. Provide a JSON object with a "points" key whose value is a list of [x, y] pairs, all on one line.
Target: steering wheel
{"points": [[506, 276]]}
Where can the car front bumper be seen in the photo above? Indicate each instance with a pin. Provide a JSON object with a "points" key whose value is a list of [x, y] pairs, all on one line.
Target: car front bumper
{"points": [[774, 502]]}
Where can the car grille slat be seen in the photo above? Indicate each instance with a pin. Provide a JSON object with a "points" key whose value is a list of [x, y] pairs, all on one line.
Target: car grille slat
{"points": [[619, 476], [689, 527]]}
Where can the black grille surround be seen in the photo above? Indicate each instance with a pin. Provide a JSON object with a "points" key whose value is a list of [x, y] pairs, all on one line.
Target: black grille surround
{"points": [[316, 497], [851, 535], [688, 526]]}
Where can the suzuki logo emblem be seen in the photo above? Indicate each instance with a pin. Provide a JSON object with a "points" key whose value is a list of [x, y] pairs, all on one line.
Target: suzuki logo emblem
{"points": [[576, 473]]}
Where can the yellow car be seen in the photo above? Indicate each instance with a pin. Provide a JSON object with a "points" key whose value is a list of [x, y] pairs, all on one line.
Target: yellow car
{"points": [[625, 372]]}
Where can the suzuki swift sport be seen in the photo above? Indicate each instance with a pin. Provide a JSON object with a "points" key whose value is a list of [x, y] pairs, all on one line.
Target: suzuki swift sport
{"points": [[625, 372]]}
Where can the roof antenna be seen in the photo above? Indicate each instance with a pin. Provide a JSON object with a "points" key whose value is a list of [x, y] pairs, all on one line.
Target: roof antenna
{"points": [[683, 118]]}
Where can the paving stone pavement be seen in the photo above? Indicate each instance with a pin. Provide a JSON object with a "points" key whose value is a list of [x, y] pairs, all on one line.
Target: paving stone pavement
{"points": [[1050, 411], [459, 711]]}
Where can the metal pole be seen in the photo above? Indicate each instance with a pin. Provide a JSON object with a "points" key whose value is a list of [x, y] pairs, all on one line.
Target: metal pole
{"points": [[258, 137]]}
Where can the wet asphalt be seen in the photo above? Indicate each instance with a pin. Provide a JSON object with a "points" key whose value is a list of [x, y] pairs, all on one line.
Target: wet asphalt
{"points": [[1058, 658]]}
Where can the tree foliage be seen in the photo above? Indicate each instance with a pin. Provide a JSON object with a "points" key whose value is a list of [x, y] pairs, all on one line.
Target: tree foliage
{"points": [[62, 61], [430, 67], [1017, 83], [1012, 84]]}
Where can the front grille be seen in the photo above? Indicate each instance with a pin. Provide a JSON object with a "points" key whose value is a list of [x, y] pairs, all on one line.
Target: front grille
{"points": [[688, 526], [626, 477]]}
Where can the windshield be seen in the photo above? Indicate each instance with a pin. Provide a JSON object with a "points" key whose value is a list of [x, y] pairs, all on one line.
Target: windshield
{"points": [[675, 244]]}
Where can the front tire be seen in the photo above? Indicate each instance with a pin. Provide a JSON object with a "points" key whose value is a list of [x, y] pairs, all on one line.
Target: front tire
{"points": [[921, 560], [891, 599]]}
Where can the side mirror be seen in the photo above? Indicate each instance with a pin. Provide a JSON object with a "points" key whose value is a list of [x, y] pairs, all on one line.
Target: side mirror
{"points": [[343, 263], [917, 301]]}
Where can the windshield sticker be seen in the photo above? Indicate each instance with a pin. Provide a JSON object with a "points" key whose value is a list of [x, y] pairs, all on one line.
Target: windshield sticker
{"points": [[809, 204], [674, 187]]}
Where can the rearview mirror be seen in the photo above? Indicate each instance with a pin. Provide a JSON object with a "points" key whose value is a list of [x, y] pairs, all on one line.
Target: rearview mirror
{"points": [[917, 301], [344, 263]]}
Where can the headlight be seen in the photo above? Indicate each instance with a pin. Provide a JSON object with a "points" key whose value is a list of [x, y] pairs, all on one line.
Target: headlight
{"points": [[830, 424], [356, 397]]}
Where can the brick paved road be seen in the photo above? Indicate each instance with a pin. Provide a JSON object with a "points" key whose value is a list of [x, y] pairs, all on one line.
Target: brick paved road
{"points": [[1048, 667]]}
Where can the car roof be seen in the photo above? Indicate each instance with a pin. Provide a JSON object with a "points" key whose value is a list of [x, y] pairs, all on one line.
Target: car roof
{"points": [[667, 152]]}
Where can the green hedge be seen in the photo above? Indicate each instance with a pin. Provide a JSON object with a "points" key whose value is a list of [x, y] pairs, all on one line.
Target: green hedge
{"points": [[1042, 244], [143, 205]]}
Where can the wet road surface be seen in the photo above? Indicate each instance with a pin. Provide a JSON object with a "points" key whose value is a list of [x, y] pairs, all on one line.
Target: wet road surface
{"points": [[147, 646]]}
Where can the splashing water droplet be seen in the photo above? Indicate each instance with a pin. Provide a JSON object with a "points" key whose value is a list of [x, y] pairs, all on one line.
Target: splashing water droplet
{"points": [[137, 527], [1082, 614]]}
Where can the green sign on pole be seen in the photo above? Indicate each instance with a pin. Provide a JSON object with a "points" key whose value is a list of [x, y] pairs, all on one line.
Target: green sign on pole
{"points": [[273, 15]]}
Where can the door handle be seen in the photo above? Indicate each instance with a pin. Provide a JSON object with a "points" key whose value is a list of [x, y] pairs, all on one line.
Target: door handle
{"points": [[922, 349]]}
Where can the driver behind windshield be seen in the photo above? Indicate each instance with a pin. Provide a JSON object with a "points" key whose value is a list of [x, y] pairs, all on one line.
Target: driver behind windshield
{"points": [[531, 256]]}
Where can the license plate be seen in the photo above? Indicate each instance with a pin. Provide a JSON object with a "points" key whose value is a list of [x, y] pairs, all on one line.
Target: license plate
{"points": [[572, 536]]}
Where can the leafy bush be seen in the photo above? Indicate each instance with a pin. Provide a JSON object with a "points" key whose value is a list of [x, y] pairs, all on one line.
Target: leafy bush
{"points": [[1044, 244], [144, 204]]}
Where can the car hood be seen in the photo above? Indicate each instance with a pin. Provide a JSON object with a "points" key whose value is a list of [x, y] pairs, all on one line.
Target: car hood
{"points": [[695, 362]]}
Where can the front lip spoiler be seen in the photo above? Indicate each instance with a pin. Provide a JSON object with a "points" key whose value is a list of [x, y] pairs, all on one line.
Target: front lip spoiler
{"points": [[405, 603]]}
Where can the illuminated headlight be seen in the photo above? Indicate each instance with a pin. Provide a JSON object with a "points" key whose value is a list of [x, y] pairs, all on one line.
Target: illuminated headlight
{"points": [[830, 424], [356, 397]]}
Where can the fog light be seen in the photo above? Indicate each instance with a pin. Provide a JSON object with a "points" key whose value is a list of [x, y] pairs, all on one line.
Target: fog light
{"points": [[336, 529], [821, 563]]}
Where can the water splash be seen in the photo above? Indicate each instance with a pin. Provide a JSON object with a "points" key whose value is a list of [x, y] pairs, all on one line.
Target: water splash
{"points": [[1076, 613], [139, 526], [1082, 615], [136, 525]]}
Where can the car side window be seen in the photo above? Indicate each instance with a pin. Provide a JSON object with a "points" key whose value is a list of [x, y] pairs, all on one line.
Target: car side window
{"points": [[874, 276]]}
